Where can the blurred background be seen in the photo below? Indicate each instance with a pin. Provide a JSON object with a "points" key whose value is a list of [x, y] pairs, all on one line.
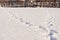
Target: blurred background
{"points": [[30, 3]]}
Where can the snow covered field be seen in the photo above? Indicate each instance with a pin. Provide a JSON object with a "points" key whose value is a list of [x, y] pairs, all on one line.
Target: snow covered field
{"points": [[28, 23]]}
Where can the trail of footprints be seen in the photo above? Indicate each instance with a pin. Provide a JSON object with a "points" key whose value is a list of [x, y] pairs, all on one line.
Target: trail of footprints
{"points": [[27, 23]]}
